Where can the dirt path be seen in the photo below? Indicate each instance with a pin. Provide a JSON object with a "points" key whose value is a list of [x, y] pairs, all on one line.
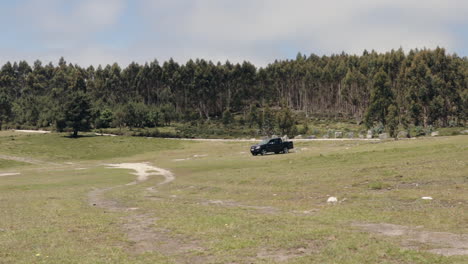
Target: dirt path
{"points": [[143, 171], [145, 236], [9, 174], [32, 131], [21, 159], [140, 227], [442, 243]]}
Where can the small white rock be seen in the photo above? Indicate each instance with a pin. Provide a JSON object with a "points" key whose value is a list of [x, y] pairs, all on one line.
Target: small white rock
{"points": [[426, 198], [332, 199]]}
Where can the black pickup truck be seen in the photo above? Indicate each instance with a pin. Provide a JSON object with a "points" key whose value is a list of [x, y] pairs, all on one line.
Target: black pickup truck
{"points": [[275, 145]]}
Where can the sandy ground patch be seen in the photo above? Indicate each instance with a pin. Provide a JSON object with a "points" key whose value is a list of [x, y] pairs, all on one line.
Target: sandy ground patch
{"points": [[32, 131], [176, 160], [283, 255], [9, 174], [144, 170], [103, 134], [442, 243], [21, 159], [193, 157]]}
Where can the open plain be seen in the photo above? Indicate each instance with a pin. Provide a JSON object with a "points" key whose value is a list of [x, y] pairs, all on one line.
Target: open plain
{"points": [[98, 199]]}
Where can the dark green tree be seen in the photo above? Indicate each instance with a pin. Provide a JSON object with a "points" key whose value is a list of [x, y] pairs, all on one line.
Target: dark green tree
{"points": [[268, 121], [227, 118], [254, 117], [286, 122], [392, 120], [155, 117], [427, 87], [381, 98], [168, 114], [135, 114], [104, 119], [5, 109], [78, 113]]}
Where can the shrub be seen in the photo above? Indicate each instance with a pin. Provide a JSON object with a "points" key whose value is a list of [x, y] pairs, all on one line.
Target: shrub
{"points": [[378, 129], [419, 131], [105, 119], [227, 117]]}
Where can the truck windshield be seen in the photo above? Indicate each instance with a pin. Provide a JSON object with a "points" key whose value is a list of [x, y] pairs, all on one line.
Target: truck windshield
{"points": [[265, 141]]}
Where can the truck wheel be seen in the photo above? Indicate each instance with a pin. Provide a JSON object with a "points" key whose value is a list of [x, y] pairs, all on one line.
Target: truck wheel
{"points": [[285, 150], [263, 152]]}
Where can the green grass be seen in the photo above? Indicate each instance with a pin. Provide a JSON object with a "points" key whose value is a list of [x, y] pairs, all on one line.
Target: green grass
{"points": [[4, 164], [60, 147], [45, 210]]}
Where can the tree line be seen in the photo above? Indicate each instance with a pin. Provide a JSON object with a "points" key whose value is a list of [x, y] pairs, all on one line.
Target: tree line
{"points": [[421, 87]]}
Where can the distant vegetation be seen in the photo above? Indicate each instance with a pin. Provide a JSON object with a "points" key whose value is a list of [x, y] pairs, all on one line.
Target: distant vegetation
{"points": [[422, 88]]}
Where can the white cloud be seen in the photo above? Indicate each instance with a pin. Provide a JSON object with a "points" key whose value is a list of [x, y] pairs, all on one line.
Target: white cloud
{"points": [[59, 25], [256, 30], [223, 27]]}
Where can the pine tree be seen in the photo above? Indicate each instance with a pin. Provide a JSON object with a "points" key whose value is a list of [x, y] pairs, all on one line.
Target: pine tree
{"points": [[227, 118], [381, 99], [78, 113], [392, 120], [5, 109], [286, 122], [268, 121]]}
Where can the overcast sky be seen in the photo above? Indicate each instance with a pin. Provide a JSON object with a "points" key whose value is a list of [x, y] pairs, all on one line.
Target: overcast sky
{"points": [[106, 31]]}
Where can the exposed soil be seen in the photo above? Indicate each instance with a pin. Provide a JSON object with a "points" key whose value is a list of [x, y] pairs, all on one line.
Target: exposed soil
{"points": [[33, 131], [181, 159], [106, 135], [442, 243], [194, 156], [143, 171], [95, 198], [145, 236], [281, 255], [141, 228], [9, 174], [21, 159]]}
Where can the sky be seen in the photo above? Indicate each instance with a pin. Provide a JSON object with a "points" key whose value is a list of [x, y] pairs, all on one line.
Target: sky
{"points": [[93, 32]]}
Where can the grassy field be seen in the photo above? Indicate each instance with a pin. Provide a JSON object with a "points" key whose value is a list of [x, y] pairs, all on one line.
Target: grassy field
{"points": [[226, 206]]}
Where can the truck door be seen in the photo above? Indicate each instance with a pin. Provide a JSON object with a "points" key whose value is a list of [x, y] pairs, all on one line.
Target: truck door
{"points": [[278, 145], [270, 147]]}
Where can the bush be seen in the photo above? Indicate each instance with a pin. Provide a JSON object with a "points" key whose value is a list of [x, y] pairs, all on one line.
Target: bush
{"points": [[105, 119], [378, 129], [227, 118], [423, 131], [286, 122], [428, 130], [419, 131], [305, 129], [154, 118]]}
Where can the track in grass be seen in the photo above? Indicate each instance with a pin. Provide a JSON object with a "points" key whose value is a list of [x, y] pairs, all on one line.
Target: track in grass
{"points": [[139, 227]]}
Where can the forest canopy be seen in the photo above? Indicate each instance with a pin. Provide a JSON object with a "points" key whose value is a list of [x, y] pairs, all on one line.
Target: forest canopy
{"points": [[421, 87]]}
